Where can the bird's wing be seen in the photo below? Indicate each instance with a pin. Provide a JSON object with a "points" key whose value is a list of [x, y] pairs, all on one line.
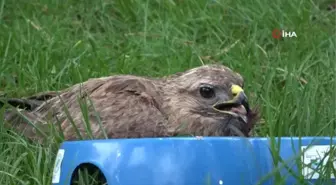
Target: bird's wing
{"points": [[116, 107]]}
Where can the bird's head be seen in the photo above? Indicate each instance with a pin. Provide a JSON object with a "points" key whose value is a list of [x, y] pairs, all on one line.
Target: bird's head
{"points": [[211, 101]]}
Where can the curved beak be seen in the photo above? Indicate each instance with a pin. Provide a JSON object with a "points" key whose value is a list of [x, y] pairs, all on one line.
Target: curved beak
{"points": [[239, 99]]}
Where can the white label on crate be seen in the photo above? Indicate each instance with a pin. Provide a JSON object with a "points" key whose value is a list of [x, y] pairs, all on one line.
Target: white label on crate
{"points": [[57, 167], [312, 159]]}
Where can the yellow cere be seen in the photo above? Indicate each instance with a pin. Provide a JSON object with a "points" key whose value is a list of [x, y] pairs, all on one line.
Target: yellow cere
{"points": [[235, 89]]}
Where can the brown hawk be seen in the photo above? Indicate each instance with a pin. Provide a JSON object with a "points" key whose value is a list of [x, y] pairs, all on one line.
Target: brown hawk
{"points": [[203, 101]]}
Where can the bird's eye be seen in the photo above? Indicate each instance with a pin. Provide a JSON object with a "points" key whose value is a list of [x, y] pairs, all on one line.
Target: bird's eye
{"points": [[207, 92]]}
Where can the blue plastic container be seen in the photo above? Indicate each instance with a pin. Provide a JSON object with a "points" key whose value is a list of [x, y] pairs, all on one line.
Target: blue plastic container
{"points": [[196, 161]]}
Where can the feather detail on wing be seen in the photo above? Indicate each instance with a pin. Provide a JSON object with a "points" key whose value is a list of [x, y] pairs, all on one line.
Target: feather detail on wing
{"points": [[113, 107]]}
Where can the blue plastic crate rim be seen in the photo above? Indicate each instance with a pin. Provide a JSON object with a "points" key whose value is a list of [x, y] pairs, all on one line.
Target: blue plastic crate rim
{"points": [[190, 160]]}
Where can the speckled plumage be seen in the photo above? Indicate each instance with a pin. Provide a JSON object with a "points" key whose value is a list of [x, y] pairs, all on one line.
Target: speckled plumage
{"points": [[132, 107]]}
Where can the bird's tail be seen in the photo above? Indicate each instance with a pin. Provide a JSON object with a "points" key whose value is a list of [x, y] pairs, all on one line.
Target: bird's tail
{"points": [[29, 103], [28, 124], [19, 116]]}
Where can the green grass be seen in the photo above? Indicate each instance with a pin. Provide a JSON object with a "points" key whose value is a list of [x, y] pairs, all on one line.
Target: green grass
{"points": [[52, 44]]}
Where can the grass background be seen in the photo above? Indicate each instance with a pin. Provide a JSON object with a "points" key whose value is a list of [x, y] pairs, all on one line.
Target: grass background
{"points": [[52, 44]]}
